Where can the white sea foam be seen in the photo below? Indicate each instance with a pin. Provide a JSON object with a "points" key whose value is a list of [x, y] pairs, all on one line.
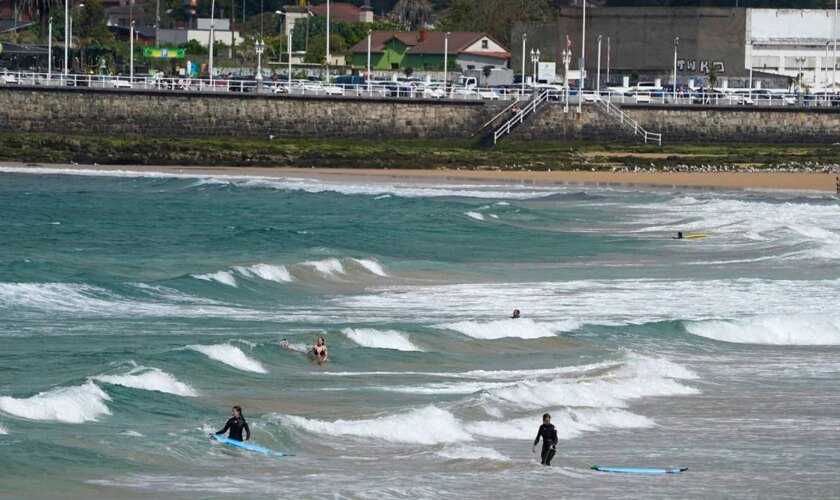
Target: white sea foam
{"points": [[380, 339], [149, 379], [224, 277], [3, 430], [569, 423], [429, 425], [593, 302], [74, 405], [372, 266], [488, 374], [131, 433], [86, 300], [466, 452], [327, 267], [231, 356], [407, 189], [267, 272], [520, 328], [776, 330], [474, 215]]}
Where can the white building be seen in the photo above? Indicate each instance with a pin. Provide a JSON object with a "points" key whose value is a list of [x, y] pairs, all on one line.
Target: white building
{"points": [[783, 41], [221, 33]]}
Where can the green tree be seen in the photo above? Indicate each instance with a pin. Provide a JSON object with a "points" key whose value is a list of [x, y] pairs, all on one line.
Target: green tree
{"points": [[408, 71], [40, 9], [90, 26], [413, 13]]}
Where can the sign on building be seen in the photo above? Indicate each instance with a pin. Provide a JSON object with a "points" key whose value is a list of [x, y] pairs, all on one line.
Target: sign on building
{"points": [[547, 72], [164, 53]]}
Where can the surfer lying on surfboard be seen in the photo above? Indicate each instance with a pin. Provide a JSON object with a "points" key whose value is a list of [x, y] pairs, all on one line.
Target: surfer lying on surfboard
{"points": [[236, 423]]}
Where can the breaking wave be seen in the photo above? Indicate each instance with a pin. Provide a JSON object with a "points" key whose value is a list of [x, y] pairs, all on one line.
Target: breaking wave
{"points": [[380, 339], [519, 328], [773, 330], [72, 405], [149, 379], [231, 356]]}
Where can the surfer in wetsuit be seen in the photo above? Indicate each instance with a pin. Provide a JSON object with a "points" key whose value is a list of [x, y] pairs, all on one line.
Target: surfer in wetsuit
{"points": [[548, 433], [515, 314], [319, 350], [236, 423], [679, 236]]}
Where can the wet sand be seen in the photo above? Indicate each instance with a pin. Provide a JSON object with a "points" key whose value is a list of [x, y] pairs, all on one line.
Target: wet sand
{"points": [[796, 181]]}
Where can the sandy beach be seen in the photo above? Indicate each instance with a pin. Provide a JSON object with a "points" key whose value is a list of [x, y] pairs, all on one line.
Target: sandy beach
{"points": [[795, 181]]}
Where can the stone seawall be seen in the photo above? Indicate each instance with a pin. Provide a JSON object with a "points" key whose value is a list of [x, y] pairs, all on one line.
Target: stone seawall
{"points": [[173, 114], [696, 124], [118, 113]]}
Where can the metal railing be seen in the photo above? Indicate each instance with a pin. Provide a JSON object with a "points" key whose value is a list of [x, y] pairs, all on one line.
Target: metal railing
{"points": [[429, 90], [613, 110], [519, 117]]}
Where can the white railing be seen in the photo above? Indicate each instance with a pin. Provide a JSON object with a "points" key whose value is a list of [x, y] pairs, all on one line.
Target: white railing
{"points": [[613, 110], [426, 90], [519, 117]]}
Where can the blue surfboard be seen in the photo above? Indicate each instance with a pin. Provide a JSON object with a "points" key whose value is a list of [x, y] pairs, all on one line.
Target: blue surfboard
{"points": [[249, 446], [640, 470]]}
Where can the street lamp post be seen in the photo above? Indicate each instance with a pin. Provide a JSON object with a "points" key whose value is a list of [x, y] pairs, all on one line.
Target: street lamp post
{"points": [[800, 60], [535, 58], [567, 58], [66, 36], [157, 24], [49, 56], [131, 56], [582, 62], [288, 50], [834, 66], [676, 44], [212, 39], [328, 42], [524, 39], [598, 81], [608, 61], [446, 59], [370, 35], [259, 47], [751, 70]]}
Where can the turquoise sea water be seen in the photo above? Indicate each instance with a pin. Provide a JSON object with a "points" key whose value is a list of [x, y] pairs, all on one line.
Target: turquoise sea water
{"points": [[136, 309]]}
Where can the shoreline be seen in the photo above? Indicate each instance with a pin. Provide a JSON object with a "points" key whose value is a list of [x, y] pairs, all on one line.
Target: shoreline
{"points": [[786, 181]]}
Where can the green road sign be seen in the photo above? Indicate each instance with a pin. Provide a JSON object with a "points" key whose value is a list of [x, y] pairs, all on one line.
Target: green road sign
{"points": [[164, 53]]}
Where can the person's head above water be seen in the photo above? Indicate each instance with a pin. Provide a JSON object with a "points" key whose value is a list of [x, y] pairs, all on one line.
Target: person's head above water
{"points": [[320, 341], [515, 313], [236, 411], [546, 418]]}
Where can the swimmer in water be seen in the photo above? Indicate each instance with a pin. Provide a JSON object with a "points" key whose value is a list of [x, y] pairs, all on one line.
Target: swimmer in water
{"points": [[515, 314], [319, 351], [285, 345], [679, 236]]}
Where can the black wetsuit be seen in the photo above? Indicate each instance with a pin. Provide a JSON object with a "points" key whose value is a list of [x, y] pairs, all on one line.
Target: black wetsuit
{"points": [[236, 425], [548, 433]]}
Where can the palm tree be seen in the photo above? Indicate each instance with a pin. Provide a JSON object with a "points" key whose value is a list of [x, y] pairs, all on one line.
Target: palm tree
{"points": [[414, 13], [41, 8]]}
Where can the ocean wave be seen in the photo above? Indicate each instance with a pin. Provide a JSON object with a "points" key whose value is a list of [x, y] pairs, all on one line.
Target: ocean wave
{"points": [[569, 423], [409, 189], [380, 339], [223, 277], [432, 425], [73, 405], [330, 269], [488, 374], [466, 452], [518, 328], [267, 272], [429, 425], [474, 215], [82, 299], [231, 356], [591, 302], [149, 379], [772, 330]]}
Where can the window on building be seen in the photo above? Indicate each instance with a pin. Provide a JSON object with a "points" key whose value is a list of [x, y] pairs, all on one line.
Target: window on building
{"points": [[485, 44], [470, 66], [395, 65]]}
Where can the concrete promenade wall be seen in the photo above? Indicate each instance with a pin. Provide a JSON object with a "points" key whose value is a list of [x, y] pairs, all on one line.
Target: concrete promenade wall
{"points": [[696, 124], [174, 114], [169, 114]]}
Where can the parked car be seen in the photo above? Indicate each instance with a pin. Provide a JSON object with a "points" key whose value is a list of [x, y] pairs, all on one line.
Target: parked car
{"points": [[245, 83]]}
